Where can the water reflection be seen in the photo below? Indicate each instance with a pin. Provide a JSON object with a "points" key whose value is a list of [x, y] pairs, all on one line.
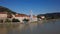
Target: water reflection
{"points": [[43, 27]]}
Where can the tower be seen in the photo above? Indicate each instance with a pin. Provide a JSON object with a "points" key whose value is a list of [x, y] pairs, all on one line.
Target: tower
{"points": [[31, 16]]}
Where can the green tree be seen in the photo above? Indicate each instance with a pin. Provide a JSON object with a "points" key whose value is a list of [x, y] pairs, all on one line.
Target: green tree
{"points": [[15, 20], [26, 20], [7, 20]]}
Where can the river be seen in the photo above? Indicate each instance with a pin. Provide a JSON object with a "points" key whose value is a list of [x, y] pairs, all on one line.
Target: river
{"points": [[42, 27]]}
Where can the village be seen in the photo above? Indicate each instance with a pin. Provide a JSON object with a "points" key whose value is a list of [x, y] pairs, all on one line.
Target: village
{"points": [[6, 16], [20, 17]]}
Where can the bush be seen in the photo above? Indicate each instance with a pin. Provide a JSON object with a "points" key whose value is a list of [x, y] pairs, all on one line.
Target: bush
{"points": [[7, 20], [26, 20], [15, 20]]}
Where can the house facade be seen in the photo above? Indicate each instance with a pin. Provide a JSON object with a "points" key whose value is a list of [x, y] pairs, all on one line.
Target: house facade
{"points": [[34, 18], [3, 16], [21, 17]]}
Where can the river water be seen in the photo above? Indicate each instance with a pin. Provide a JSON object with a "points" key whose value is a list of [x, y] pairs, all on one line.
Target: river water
{"points": [[42, 27]]}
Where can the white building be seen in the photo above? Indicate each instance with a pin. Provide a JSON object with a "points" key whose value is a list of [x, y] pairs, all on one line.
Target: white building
{"points": [[21, 17], [3, 16], [34, 18]]}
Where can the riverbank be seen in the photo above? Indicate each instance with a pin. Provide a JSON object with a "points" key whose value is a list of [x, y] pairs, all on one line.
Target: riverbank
{"points": [[17, 23]]}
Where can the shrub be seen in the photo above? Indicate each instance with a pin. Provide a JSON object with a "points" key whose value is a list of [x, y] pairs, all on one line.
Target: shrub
{"points": [[26, 20], [15, 20], [7, 20]]}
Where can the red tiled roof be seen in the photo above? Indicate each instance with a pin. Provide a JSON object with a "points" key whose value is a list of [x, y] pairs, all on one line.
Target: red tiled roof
{"points": [[21, 15], [33, 16]]}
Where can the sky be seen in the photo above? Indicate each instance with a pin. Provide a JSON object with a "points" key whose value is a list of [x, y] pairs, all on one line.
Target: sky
{"points": [[37, 6]]}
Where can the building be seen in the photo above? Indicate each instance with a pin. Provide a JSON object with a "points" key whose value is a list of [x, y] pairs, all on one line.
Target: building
{"points": [[41, 17], [21, 17], [3, 16], [24, 16], [34, 18]]}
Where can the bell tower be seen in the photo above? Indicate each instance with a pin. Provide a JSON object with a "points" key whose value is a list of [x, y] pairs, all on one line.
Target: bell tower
{"points": [[31, 16]]}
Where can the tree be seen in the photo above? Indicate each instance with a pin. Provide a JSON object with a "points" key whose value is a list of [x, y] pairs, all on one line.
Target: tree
{"points": [[26, 20], [15, 20], [7, 20]]}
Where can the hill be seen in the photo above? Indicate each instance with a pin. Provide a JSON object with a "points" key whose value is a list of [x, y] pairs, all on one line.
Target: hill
{"points": [[4, 9], [55, 15]]}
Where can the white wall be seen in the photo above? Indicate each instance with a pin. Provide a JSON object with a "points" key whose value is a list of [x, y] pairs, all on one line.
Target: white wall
{"points": [[3, 16], [21, 18], [34, 19]]}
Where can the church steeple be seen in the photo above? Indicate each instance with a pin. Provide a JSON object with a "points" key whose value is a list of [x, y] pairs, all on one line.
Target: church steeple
{"points": [[31, 16]]}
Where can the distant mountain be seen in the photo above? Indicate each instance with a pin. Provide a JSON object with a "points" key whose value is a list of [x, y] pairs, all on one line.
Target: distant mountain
{"points": [[55, 15], [4, 9]]}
